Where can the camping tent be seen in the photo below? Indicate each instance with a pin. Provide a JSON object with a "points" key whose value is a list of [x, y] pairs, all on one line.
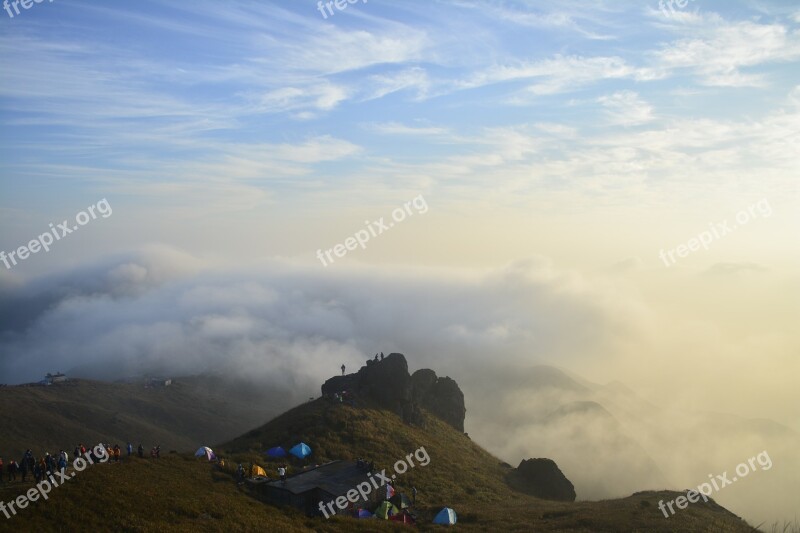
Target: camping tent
{"points": [[257, 471], [205, 450], [277, 451], [446, 517], [300, 450], [403, 518], [385, 510], [363, 513], [401, 501]]}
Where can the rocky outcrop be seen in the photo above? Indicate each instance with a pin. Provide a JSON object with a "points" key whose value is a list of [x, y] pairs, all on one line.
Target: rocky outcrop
{"points": [[542, 478], [388, 383], [440, 396]]}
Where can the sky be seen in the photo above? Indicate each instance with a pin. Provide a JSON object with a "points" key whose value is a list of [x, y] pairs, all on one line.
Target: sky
{"points": [[273, 187]]}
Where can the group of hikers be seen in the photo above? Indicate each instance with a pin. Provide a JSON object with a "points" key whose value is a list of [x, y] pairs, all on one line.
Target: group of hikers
{"points": [[369, 361], [49, 464]]}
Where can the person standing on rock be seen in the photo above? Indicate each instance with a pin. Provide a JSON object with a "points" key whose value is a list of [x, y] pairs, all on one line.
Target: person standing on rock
{"points": [[343, 369]]}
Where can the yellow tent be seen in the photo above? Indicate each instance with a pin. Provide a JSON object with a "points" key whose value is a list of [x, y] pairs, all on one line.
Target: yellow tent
{"points": [[257, 471]]}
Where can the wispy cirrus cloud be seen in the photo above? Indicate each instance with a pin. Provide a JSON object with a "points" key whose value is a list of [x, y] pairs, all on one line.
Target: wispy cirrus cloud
{"points": [[718, 51]]}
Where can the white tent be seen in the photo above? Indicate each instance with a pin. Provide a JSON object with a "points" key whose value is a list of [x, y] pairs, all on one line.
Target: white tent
{"points": [[205, 450]]}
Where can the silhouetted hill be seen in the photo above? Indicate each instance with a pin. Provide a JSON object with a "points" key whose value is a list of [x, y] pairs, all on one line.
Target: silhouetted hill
{"points": [[192, 410]]}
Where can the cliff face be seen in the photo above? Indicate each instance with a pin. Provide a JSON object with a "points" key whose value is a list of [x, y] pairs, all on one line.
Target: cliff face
{"points": [[389, 384]]}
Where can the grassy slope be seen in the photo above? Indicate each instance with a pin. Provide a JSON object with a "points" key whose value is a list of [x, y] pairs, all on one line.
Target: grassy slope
{"points": [[462, 475], [191, 412], [180, 493]]}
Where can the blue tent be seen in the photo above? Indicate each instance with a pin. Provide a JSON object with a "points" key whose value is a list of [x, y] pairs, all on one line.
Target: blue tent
{"points": [[446, 517], [276, 452], [300, 450], [363, 513]]}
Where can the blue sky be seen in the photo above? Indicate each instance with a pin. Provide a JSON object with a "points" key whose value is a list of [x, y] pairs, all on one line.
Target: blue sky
{"points": [[246, 102]]}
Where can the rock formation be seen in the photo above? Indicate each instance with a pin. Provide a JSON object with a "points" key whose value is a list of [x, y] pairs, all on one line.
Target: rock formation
{"points": [[388, 383], [542, 478], [440, 396]]}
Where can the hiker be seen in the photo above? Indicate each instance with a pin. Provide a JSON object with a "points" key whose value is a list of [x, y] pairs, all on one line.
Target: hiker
{"points": [[130, 449], [376, 358], [282, 473], [23, 469], [76, 452], [158, 451], [381, 356], [12, 470], [343, 369], [413, 495], [117, 453], [140, 449], [62, 464]]}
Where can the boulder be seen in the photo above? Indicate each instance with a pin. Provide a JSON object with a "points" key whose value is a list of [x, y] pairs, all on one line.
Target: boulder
{"points": [[542, 478]]}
